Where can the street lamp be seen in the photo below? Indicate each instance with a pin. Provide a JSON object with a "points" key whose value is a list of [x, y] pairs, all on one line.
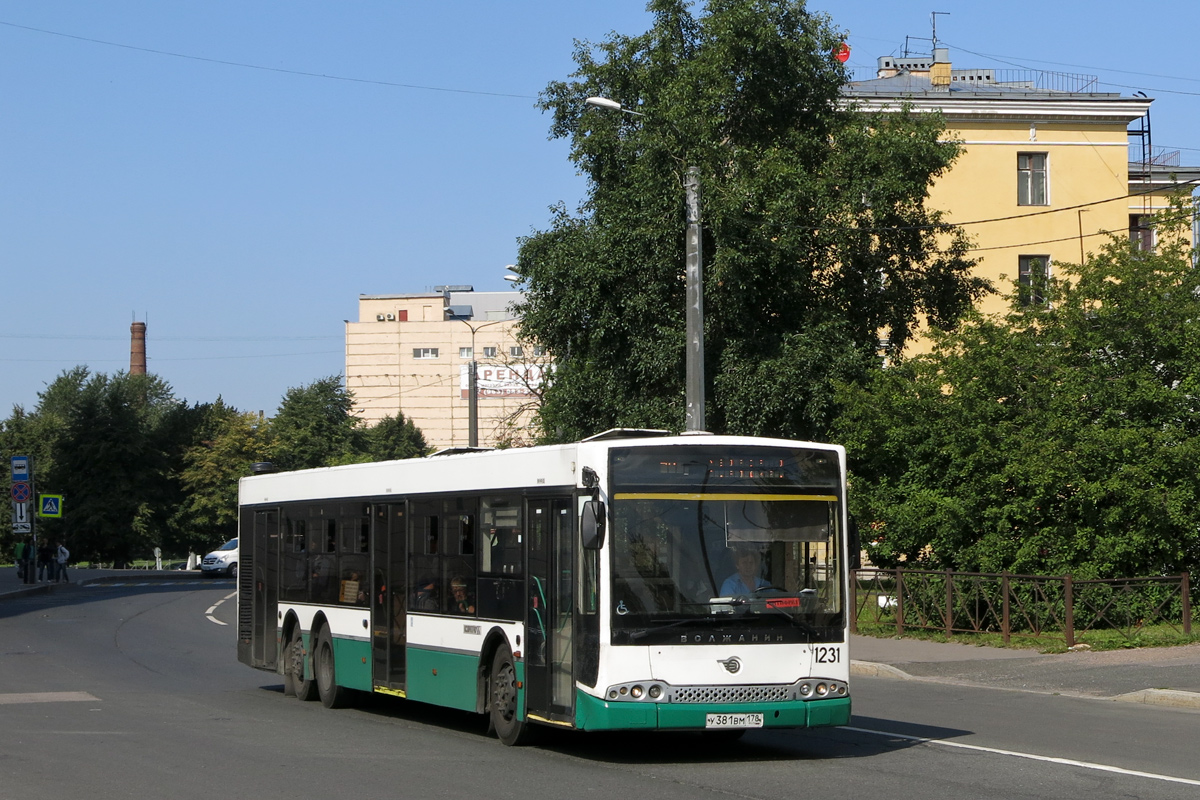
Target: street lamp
{"points": [[472, 377], [694, 283]]}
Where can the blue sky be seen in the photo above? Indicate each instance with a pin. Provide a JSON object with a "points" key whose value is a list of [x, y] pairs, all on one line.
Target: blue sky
{"points": [[166, 162]]}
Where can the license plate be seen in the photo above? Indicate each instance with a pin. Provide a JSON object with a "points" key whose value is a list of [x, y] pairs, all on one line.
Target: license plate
{"points": [[733, 720]]}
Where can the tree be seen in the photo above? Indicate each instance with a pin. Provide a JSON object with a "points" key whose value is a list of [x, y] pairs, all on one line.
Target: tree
{"points": [[314, 426], [113, 460], [816, 237], [1061, 437], [229, 443], [393, 438]]}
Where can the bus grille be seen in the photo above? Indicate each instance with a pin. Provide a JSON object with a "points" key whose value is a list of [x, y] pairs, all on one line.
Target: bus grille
{"points": [[731, 694]]}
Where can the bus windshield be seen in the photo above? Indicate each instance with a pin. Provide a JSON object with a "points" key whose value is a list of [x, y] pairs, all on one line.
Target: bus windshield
{"points": [[760, 552]]}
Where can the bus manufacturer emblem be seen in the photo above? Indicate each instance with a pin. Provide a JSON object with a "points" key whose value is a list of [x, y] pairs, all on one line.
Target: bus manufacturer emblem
{"points": [[731, 665]]}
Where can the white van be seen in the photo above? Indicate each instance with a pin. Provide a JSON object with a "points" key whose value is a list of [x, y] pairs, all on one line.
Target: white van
{"points": [[222, 561]]}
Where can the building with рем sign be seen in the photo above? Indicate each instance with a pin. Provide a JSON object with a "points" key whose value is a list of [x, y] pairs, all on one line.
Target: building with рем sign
{"points": [[412, 353]]}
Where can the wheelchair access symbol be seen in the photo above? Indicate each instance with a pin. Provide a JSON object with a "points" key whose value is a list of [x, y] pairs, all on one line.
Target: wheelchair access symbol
{"points": [[50, 505]]}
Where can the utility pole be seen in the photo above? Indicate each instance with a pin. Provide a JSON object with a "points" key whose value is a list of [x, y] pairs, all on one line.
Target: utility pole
{"points": [[694, 287], [694, 282]]}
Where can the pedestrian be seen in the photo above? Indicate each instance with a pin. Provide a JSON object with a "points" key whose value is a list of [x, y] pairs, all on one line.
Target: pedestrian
{"points": [[45, 560], [30, 560], [19, 558], [61, 556]]}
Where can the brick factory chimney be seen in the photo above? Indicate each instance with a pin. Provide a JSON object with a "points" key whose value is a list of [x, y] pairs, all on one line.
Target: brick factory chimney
{"points": [[137, 348]]}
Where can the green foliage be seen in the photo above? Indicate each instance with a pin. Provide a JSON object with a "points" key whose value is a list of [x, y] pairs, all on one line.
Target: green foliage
{"points": [[1063, 437], [314, 427], [229, 442], [394, 438], [140, 469], [815, 232], [111, 445]]}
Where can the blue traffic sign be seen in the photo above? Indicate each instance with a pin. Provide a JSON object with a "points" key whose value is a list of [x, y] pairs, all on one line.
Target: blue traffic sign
{"points": [[21, 492], [20, 468], [50, 505]]}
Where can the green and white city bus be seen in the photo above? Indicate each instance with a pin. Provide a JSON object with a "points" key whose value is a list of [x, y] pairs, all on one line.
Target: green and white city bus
{"points": [[634, 580]]}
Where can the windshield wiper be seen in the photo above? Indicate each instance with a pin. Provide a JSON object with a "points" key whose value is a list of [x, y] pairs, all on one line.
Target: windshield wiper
{"points": [[799, 623]]}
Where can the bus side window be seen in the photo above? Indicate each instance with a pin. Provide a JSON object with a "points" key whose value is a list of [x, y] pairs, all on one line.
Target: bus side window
{"points": [[498, 586]]}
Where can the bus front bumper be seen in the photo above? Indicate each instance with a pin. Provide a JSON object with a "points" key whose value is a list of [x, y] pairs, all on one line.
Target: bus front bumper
{"points": [[597, 714]]}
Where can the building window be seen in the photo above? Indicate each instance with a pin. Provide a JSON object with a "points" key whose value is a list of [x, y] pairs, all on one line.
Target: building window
{"points": [[425, 352], [464, 352], [1140, 233], [489, 352], [539, 350], [1032, 182], [516, 351], [1032, 274]]}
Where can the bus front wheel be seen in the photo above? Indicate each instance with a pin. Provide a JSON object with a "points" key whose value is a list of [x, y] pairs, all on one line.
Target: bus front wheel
{"points": [[503, 699], [332, 695]]}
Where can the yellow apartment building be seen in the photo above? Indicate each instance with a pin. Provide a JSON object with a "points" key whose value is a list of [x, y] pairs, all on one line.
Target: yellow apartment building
{"points": [[1046, 172], [412, 353]]}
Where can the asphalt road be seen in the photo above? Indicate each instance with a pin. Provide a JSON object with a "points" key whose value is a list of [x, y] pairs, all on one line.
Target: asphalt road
{"points": [[135, 691]]}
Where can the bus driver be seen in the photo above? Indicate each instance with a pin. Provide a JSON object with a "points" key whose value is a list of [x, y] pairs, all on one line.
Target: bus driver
{"points": [[748, 577]]}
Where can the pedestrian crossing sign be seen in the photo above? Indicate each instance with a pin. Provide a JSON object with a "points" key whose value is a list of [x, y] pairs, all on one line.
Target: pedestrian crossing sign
{"points": [[50, 505]]}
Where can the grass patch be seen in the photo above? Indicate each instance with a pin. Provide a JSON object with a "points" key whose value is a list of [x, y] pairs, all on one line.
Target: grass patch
{"points": [[1048, 642]]}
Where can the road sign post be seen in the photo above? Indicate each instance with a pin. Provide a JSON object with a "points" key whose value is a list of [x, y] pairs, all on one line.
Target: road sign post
{"points": [[22, 492]]}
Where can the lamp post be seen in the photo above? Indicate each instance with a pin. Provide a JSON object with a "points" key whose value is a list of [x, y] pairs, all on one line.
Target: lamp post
{"points": [[694, 287], [472, 378]]}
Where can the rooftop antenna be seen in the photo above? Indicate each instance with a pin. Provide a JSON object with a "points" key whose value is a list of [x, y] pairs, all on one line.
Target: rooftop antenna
{"points": [[933, 16]]}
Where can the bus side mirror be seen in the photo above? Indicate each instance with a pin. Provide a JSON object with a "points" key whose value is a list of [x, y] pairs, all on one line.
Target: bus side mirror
{"points": [[591, 525]]}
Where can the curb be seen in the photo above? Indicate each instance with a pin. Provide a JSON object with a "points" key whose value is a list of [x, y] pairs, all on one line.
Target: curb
{"points": [[135, 577], [871, 669], [1172, 698], [138, 576]]}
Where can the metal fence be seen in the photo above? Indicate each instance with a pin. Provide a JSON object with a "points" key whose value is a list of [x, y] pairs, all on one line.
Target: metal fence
{"points": [[1034, 606]]}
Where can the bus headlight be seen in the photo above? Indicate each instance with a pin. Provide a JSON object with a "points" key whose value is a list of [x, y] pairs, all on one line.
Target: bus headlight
{"points": [[636, 692]]}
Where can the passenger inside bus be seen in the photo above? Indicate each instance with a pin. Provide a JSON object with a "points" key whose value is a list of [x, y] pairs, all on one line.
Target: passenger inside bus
{"points": [[426, 596], [461, 600]]}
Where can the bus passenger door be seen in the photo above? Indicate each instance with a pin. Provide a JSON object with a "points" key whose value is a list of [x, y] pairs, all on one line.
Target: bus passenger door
{"points": [[263, 570], [548, 679], [388, 591]]}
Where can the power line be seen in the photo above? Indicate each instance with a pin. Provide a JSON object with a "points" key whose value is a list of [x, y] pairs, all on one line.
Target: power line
{"points": [[1003, 60], [244, 65], [155, 360], [84, 337], [1075, 237]]}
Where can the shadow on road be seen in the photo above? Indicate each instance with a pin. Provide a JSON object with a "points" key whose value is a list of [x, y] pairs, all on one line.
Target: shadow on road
{"points": [[72, 594], [670, 747]]}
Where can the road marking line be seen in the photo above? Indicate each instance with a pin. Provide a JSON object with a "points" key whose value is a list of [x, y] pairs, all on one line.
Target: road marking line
{"points": [[1070, 762], [213, 608], [47, 697]]}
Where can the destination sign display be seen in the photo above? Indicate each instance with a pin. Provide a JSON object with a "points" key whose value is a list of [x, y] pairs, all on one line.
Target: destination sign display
{"points": [[712, 468]]}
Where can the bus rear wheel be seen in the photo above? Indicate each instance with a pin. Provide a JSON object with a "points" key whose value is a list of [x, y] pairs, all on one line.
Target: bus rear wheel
{"points": [[332, 695], [503, 699], [294, 682]]}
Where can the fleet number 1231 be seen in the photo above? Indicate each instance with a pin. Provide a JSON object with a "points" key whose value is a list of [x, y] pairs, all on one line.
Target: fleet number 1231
{"points": [[828, 655]]}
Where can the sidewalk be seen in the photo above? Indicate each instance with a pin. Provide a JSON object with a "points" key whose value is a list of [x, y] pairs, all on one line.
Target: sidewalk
{"points": [[1167, 676]]}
